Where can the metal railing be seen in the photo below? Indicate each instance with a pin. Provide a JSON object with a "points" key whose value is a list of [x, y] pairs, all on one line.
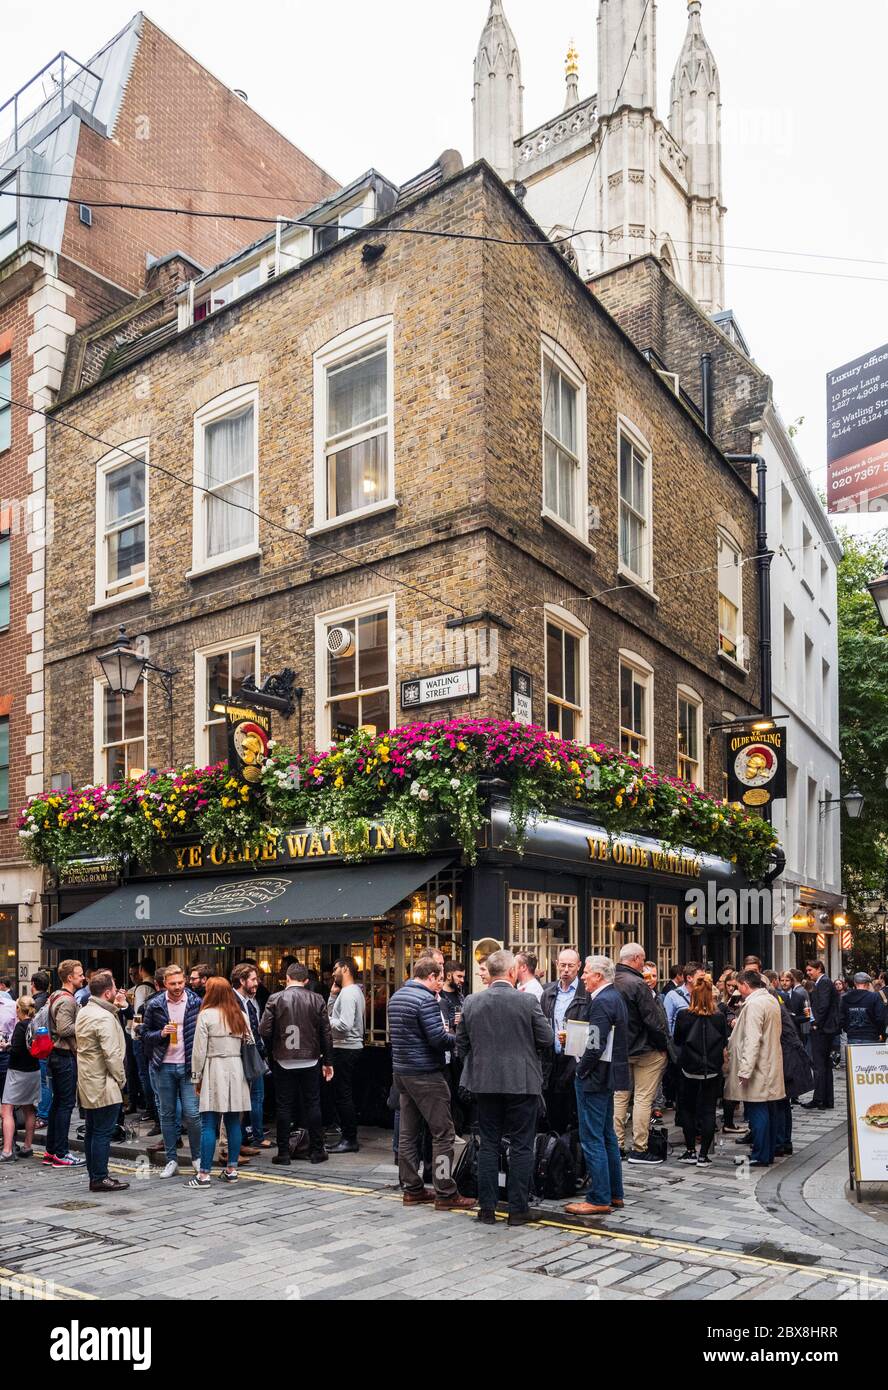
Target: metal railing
{"points": [[62, 80]]}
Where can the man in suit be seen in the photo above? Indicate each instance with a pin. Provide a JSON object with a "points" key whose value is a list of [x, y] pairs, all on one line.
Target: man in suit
{"points": [[824, 1027], [501, 1038], [602, 1070], [245, 981], [563, 999]]}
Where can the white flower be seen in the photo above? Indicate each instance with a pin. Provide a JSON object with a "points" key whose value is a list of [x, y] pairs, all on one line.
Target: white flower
{"points": [[424, 793], [414, 789], [103, 816], [272, 743], [454, 782]]}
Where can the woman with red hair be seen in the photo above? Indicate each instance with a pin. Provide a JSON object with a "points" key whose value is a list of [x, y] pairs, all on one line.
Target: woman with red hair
{"points": [[217, 1073]]}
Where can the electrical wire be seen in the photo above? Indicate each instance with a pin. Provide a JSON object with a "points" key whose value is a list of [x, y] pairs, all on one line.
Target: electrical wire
{"points": [[241, 506]]}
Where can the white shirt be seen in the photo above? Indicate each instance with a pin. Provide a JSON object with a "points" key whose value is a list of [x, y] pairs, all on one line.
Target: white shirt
{"points": [[532, 987]]}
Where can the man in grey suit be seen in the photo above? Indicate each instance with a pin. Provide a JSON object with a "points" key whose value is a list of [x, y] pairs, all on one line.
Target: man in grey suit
{"points": [[501, 1038]]}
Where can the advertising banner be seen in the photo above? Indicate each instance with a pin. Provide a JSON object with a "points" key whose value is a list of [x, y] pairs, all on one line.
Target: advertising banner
{"points": [[857, 434], [867, 1072]]}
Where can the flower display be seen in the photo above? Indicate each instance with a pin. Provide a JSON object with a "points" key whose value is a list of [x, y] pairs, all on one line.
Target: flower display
{"points": [[423, 779]]}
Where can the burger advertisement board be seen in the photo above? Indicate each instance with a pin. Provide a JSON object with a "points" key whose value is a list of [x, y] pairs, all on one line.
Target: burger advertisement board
{"points": [[867, 1071]]}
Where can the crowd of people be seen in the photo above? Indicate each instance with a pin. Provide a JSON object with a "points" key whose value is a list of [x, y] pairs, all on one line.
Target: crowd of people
{"points": [[193, 1055]]}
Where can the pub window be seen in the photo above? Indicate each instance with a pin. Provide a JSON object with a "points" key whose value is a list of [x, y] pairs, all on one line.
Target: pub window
{"points": [[690, 736], [355, 669], [122, 522], [527, 909], [120, 733], [5, 553], [354, 423], [667, 939], [226, 467], [614, 922], [635, 504], [4, 764], [730, 597], [567, 674], [636, 702], [564, 441], [219, 672]]}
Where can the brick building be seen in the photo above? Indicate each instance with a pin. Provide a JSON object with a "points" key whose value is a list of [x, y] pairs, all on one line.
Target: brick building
{"points": [[665, 322], [140, 122], [456, 456]]}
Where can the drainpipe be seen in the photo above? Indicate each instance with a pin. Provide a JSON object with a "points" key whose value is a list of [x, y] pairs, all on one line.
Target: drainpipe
{"points": [[706, 390], [763, 568]]}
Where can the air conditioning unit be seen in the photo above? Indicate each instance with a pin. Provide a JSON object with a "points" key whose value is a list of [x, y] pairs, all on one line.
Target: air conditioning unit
{"points": [[340, 642]]}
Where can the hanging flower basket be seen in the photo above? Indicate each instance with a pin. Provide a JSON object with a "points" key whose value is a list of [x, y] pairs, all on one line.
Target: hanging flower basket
{"points": [[414, 777]]}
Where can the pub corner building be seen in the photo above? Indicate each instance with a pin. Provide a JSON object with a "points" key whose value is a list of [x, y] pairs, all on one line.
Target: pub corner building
{"points": [[299, 899]]}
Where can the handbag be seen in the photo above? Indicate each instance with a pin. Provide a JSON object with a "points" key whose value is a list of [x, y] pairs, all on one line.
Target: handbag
{"points": [[253, 1065]]}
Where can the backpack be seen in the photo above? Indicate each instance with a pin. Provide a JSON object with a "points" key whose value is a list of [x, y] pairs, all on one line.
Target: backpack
{"points": [[465, 1167], [658, 1141], [38, 1035], [554, 1170]]}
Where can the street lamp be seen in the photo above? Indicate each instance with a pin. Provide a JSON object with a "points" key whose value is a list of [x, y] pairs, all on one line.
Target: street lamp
{"points": [[852, 802], [123, 668], [879, 590]]}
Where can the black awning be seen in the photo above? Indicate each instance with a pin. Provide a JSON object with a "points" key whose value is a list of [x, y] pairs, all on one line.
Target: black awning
{"points": [[317, 906]]}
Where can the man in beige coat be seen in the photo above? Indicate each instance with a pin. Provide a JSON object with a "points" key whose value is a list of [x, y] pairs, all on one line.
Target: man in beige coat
{"points": [[755, 1065], [101, 1073]]}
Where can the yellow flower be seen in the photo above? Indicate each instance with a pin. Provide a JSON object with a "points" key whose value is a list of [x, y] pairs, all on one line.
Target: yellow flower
{"points": [[158, 824], [596, 757], [339, 781], [181, 815], [462, 747], [618, 799]]}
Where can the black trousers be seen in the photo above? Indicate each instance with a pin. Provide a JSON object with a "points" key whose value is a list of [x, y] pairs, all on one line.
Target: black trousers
{"points": [[561, 1096], [512, 1117], [821, 1048], [696, 1110], [345, 1060], [302, 1086]]}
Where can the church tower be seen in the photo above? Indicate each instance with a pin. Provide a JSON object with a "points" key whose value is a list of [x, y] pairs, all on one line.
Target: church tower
{"points": [[499, 96], [627, 43], [695, 123]]}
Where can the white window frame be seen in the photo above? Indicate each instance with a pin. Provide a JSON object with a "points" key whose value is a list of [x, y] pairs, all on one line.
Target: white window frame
{"points": [[373, 332], [553, 356], [560, 617], [9, 188], [116, 459], [100, 773], [644, 673], [690, 696], [201, 657], [645, 575], [386, 602], [228, 403], [727, 539]]}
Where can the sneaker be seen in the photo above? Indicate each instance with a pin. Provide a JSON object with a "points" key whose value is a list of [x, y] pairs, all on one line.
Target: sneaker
{"points": [[704, 1161], [169, 1170], [7, 1158], [68, 1161], [645, 1158], [733, 1129], [48, 1160], [689, 1156]]}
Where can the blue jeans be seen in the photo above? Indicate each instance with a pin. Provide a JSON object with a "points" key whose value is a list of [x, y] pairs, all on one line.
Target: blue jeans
{"points": [[97, 1140], [45, 1091], [600, 1147], [761, 1116], [257, 1107], [210, 1123], [63, 1070], [173, 1084]]}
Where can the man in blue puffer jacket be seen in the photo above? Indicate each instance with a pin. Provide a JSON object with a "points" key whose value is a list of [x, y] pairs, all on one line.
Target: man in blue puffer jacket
{"points": [[168, 1024], [421, 1048]]}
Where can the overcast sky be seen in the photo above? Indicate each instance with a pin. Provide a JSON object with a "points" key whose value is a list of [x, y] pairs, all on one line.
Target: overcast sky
{"points": [[390, 85]]}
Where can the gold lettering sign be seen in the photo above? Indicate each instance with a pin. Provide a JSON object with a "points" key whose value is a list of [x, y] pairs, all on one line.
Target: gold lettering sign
{"points": [[636, 857], [187, 938], [296, 845]]}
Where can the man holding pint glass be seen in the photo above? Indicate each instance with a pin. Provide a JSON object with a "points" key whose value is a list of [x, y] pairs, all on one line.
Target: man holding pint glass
{"points": [[169, 1021]]}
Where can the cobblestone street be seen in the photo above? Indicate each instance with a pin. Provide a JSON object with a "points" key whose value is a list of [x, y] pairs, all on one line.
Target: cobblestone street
{"points": [[788, 1233]]}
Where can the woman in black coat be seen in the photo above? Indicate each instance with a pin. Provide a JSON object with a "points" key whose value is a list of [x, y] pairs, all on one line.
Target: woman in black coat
{"points": [[701, 1036], [798, 1077]]}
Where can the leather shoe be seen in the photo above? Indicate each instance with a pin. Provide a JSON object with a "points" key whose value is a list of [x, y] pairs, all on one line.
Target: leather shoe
{"points": [[283, 1159], [108, 1185], [487, 1218], [249, 1150], [617, 1203], [322, 1157], [587, 1209], [455, 1203], [521, 1218], [812, 1105], [345, 1146], [415, 1199]]}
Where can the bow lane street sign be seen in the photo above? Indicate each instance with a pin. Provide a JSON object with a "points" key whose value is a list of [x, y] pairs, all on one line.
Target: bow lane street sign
{"points": [[430, 690]]}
